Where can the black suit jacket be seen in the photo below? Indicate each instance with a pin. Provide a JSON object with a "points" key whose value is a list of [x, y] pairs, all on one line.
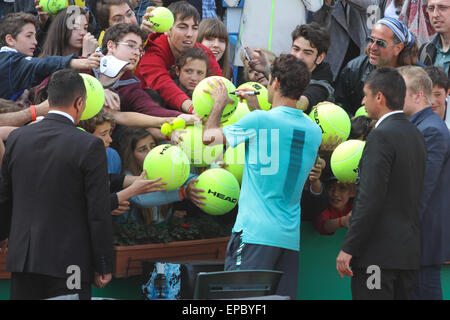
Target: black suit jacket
{"points": [[384, 227], [54, 200]]}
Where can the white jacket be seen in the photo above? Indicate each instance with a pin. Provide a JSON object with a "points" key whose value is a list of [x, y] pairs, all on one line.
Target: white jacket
{"points": [[269, 23]]}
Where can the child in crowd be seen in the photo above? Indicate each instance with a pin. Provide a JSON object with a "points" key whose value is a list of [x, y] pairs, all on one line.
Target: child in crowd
{"points": [[213, 34], [255, 76], [360, 128], [102, 126], [121, 187], [20, 70], [314, 197], [162, 50], [135, 144], [124, 42], [189, 69], [339, 210], [441, 90], [68, 34]]}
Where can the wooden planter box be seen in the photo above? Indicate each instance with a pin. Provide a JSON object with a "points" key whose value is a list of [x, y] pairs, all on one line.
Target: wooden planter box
{"points": [[128, 259], [3, 273]]}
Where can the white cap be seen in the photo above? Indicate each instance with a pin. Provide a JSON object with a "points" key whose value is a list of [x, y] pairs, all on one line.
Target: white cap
{"points": [[110, 66]]}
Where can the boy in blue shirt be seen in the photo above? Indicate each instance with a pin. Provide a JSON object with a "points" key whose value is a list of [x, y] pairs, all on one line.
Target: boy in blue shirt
{"points": [[281, 148]]}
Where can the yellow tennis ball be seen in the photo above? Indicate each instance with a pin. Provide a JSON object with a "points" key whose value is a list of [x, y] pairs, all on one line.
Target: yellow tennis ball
{"points": [[361, 112], [178, 123], [221, 191], [241, 110], [168, 162], [95, 96], [345, 159], [332, 119], [162, 19], [199, 154], [263, 97], [166, 129], [53, 6], [235, 160], [203, 102]]}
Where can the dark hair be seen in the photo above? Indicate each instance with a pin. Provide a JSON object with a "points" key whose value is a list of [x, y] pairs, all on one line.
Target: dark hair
{"points": [[189, 53], [128, 142], [438, 77], [390, 83], [182, 10], [360, 128], [100, 118], [214, 28], [409, 55], [318, 37], [118, 31], [13, 24], [64, 87], [103, 11], [58, 34], [292, 74]]}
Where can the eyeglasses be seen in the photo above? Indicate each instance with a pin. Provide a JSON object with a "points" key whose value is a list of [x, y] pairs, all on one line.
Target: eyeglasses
{"points": [[380, 43], [119, 19], [132, 46], [439, 8]]}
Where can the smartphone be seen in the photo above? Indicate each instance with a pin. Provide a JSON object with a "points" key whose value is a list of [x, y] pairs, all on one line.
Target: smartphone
{"points": [[247, 55]]}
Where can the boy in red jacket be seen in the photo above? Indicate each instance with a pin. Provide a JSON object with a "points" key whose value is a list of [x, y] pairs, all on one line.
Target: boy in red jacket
{"points": [[339, 210], [162, 50]]}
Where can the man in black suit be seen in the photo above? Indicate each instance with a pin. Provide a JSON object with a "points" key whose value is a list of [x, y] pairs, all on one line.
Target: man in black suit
{"points": [[54, 201], [383, 241]]}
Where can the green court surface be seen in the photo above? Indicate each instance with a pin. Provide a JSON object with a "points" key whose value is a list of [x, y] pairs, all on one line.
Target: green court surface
{"points": [[318, 278]]}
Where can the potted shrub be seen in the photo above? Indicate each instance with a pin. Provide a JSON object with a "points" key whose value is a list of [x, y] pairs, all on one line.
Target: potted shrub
{"points": [[199, 238]]}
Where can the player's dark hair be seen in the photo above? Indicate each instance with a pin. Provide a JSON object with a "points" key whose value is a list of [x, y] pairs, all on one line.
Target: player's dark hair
{"points": [[293, 75]]}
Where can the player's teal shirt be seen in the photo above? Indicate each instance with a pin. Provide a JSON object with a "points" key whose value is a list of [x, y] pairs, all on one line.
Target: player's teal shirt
{"points": [[281, 148]]}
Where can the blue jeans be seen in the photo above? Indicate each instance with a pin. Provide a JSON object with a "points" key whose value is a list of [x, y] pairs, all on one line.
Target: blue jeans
{"points": [[428, 285]]}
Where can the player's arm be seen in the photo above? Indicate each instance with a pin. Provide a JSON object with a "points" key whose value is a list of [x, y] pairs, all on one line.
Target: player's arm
{"points": [[213, 133]]}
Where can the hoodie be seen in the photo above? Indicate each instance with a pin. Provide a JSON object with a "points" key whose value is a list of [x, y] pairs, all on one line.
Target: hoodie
{"points": [[154, 69]]}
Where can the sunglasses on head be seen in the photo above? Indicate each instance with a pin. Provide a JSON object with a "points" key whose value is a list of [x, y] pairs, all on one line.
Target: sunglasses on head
{"points": [[380, 43]]}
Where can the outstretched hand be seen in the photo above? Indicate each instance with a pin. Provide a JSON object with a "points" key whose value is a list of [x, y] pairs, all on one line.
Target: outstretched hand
{"points": [[141, 185], [258, 61], [147, 26], [193, 193], [219, 93]]}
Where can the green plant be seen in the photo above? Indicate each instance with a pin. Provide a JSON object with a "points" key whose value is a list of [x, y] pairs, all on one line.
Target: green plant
{"points": [[177, 229]]}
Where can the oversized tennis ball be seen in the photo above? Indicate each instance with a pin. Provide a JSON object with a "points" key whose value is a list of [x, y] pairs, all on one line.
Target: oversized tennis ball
{"points": [[263, 93], [198, 154], [178, 123], [361, 112], [162, 19], [203, 102], [235, 159], [345, 160], [168, 162], [241, 110], [95, 96], [332, 119], [166, 129], [82, 129], [221, 191], [53, 6]]}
